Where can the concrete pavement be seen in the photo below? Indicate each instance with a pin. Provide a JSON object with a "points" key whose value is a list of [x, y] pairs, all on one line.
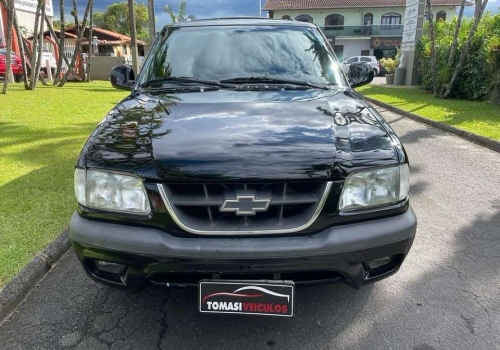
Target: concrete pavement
{"points": [[447, 295]]}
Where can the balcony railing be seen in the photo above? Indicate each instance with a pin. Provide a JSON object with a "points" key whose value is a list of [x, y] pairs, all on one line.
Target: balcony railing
{"points": [[368, 30]]}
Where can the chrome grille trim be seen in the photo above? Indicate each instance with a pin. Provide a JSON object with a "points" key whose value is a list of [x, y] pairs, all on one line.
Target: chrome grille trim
{"points": [[181, 224]]}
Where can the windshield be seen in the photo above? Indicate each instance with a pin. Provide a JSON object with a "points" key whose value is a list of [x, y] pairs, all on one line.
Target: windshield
{"points": [[228, 52]]}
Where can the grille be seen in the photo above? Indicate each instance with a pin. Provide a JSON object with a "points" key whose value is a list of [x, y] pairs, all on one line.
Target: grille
{"points": [[213, 208]]}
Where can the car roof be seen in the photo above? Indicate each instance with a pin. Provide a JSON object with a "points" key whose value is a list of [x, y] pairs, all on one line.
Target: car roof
{"points": [[245, 21]]}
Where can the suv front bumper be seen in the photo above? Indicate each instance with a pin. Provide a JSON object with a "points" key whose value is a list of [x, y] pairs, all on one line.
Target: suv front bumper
{"points": [[337, 253]]}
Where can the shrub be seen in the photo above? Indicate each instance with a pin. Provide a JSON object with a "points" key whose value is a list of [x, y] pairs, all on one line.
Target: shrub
{"points": [[389, 64], [476, 76]]}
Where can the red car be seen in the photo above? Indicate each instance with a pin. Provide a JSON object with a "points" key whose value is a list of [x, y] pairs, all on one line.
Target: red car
{"points": [[17, 67]]}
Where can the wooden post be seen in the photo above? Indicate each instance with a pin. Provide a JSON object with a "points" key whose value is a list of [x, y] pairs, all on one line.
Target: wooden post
{"points": [[49, 70]]}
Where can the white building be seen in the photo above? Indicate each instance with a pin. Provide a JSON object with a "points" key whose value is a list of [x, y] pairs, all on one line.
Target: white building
{"points": [[357, 27], [25, 11]]}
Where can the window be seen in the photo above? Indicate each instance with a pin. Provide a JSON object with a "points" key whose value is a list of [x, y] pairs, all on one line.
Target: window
{"points": [[286, 17], [391, 20], [335, 20], [365, 52], [368, 19], [441, 15], [351, 60], [365, 59], [304, 18]]}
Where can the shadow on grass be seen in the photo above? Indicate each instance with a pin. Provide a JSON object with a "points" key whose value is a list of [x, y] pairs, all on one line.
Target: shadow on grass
{"points": [[19, 134]]}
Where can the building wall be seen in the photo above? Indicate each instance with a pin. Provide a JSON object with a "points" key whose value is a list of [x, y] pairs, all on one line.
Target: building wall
{"points": [[101, 66], [348, 46], [352, 47], [354, 17]]}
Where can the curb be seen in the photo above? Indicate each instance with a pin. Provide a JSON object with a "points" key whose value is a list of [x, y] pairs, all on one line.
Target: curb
{"points": [[480, 140], [18, 287]]}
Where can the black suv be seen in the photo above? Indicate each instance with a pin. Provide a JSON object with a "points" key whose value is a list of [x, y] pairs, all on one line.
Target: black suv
{"points": [[242, 162]]}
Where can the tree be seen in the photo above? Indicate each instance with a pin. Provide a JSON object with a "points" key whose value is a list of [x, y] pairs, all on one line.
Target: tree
{"points": [[80, 29], [432, 35], [116, 18], [9, 4], [480, 6], [181, 15], [36, 44], [22, 52], [457, 31], [62, 26], [59, 24]]}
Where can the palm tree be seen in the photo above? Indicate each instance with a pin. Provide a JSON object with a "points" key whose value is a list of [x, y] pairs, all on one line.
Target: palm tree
{"points": [[181, 16]]}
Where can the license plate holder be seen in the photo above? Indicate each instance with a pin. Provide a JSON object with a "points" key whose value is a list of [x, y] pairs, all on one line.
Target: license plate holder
{"points": [[265, 298]]}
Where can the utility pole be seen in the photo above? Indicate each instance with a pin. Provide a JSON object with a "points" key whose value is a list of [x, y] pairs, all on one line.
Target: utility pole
{"points": [[133, 36], [260, 8], [152, 22]]}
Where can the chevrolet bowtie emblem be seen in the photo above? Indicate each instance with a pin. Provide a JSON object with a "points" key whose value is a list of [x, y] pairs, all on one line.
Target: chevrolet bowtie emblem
{"points": [[245, 205]]}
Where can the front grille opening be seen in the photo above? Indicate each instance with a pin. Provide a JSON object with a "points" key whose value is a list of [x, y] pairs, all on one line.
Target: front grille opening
{"points": [[312, 276], [199, 208]]}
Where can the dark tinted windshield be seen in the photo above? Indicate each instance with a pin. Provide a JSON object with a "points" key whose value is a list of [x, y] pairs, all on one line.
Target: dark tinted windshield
{"points": [[226, 52]]}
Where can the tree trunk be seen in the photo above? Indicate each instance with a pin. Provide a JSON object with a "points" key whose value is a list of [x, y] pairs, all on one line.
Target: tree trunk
{"points": [[432, 35], [40, 46], [61, 44], [465, 50], [35, 44], [9, 4], [477, 7], [453, 47], [53, 33], [79, 38], [90, 53], [22, 52]]}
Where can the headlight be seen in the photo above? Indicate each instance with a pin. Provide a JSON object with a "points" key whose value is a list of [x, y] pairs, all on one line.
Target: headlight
{"points": [[109, 191], [375, 188]]}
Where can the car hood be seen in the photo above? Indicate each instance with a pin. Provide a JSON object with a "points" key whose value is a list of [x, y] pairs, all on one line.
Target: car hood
{"points": [[236, 135]]}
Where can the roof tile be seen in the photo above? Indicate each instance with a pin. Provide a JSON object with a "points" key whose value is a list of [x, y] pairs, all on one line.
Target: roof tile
{"points": [[330, 4]]}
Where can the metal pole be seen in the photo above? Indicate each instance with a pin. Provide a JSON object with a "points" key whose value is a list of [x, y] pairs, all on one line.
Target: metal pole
{"points": [[260, 8], [133, 36], [152, 21]]}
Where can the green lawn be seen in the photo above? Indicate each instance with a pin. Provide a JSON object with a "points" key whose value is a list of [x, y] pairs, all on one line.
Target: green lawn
{"points": [[41, 134], [479, 118]]}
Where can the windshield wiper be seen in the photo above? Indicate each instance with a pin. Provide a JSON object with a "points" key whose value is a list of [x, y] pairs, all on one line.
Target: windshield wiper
{"points": [[274, 80], [180, 81]]}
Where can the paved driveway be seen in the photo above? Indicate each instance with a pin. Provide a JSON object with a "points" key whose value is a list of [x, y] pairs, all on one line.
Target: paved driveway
{"points": [[447, 295]]}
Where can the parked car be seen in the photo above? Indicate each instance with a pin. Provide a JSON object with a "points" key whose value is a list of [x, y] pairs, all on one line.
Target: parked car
{"points": [[243, 163], [371, 60], [17, 67], [47, 55]]}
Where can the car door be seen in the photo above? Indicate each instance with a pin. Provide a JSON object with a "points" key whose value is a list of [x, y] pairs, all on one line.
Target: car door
{"points": [[346, 64], [370, 62]]}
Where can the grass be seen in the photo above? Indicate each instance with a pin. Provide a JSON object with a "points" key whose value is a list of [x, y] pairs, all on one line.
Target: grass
{"points": [[41, 134], [481, 118]]}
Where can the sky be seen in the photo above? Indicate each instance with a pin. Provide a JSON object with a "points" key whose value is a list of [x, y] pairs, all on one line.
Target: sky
{"points": [[199, 8], [210, 8]]}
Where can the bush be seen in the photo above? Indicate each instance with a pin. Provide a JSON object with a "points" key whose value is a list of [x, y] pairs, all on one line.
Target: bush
{"points": [[389, 64], [476, 76]]}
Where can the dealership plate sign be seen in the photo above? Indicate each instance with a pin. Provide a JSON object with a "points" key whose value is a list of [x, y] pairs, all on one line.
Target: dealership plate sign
{"points": [[247, 297]]}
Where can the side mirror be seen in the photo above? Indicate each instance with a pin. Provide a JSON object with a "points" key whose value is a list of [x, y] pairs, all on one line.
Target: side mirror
{"points": [[360, 73], [122, 77]]}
